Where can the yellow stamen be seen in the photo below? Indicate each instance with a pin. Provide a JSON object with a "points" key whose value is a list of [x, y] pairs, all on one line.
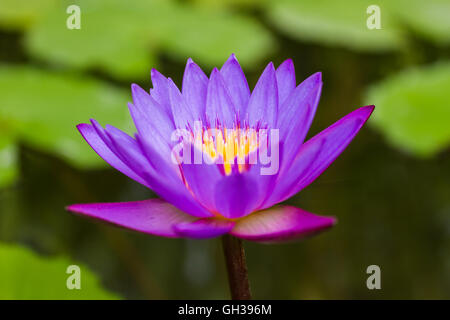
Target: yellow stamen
{"points": [[231, 145]]}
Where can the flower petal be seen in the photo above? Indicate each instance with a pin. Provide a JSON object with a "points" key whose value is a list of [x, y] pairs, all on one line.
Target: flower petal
{"points": [[236, 83], [148, 164], [201, 179], [160, 91], [236, 195], [127, 155], [219, 105], [204, 228], [105, 152], [182, 114], [152, 216], [149, 132], [129, 151], [296, 115], [288, 181], [166, 182], [282, 223], [263, 103], [155, 114], [285, 80], [319, 152], [195, 84], [266, 172]]}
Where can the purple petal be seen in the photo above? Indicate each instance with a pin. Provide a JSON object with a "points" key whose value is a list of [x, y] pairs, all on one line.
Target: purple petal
{"points": [[278, 224], [263, 104], [236, 195], [319, 152], [204, 228], [149, 131], [288, 181], [166, 182], [201, 179], [296, 115], [102, 149], [195, 84], [219, 105], [129, 151], [160, 91], [128, 156], [236, 83], [107, 140], [266, 175], [285, 80], [152, 216], [155, 114], [182, 114]]}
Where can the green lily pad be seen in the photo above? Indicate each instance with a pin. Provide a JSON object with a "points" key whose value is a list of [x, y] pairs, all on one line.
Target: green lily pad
{"points": [[111, 38], [336, 23], [124, 39], [25, 275], [430, 19], [22, 14], [211, 38], [8, 164], [413, 109], [42, 109]]}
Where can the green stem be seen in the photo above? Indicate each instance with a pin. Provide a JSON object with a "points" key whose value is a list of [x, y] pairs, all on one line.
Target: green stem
{"points": [[236, 267]]}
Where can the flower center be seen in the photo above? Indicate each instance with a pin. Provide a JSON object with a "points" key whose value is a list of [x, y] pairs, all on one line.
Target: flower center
{"points": [[229, 147]]}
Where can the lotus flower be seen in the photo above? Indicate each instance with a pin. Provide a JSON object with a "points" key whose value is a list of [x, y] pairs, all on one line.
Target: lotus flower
{"points": [[217, 197]]}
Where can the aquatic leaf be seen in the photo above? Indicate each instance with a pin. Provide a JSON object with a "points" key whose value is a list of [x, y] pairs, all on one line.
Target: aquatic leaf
{"points": [[336, 23], [211, 38], [25, 275], [42, 109], [22, 14], [429, 19], [124, 39], [413, 109], [8, 160], [111, 37]]}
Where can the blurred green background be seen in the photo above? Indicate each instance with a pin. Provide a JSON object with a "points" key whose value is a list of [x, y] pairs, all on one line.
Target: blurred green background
{"points": [[390, 189]]}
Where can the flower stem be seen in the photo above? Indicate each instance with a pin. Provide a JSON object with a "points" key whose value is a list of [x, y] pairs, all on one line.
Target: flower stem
{"points": [[236, 267]]}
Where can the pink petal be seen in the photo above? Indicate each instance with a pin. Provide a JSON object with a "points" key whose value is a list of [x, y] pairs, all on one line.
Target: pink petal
{"points": [[204, 228], [282, 223], [152, 216]]}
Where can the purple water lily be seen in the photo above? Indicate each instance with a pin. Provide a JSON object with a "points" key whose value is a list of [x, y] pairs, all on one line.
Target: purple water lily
{"points": [[204, 200]]}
